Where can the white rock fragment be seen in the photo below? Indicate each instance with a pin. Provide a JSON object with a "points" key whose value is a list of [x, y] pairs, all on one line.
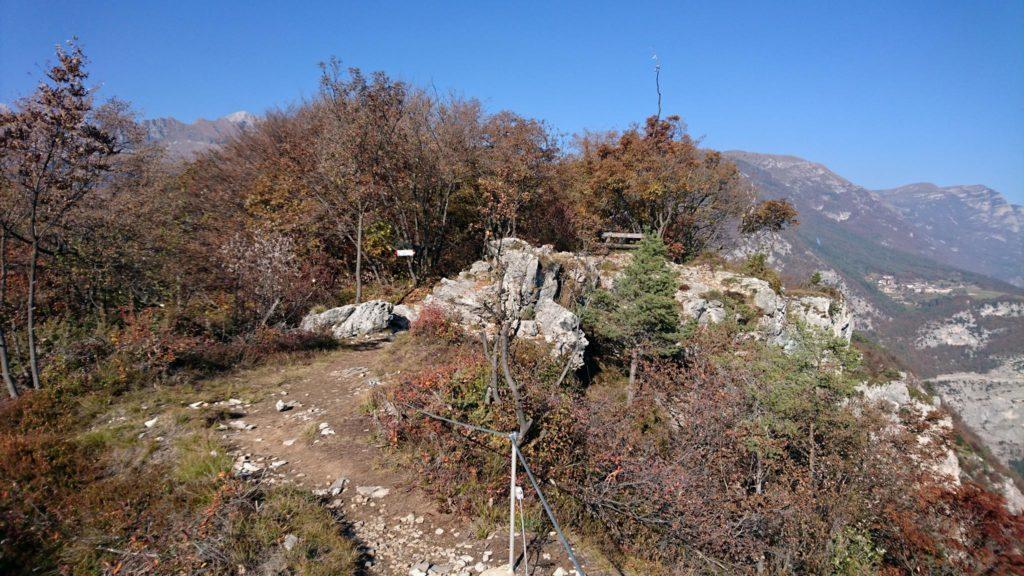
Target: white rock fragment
{"points": [[338, 486], [372, 491], [282, 406]]}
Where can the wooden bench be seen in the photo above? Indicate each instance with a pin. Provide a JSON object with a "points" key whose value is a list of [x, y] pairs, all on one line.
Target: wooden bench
{"points": [[623, 240]]}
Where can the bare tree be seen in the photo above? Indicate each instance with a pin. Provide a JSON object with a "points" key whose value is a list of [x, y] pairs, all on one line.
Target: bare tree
{"points": [[5, 364], [438, 157], [264, 267], [53, 155]]}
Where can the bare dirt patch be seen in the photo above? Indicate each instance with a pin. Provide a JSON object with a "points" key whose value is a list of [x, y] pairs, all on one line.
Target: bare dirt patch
{"points": [[326, 439]]}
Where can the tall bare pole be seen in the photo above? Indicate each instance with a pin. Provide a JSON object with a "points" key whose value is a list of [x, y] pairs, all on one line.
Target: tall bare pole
{"points": [[512, 507], [657, 81]]}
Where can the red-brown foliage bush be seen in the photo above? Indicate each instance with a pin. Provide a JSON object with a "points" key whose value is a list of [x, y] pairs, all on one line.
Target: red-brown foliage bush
{"points": [[465, 468], [696, 474], [211, 355], [435, 322]]}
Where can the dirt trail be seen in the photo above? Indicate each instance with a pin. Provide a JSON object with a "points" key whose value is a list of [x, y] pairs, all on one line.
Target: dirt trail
{"points": [[327, 436]]}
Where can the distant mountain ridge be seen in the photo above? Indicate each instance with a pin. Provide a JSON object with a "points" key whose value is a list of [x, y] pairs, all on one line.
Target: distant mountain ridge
{"points": [[184, 141], [970, 227], [983, 232], [926, 269]]}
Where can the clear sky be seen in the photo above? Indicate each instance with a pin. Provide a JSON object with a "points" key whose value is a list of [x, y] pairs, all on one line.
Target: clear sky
{"points": [[884, 93]]}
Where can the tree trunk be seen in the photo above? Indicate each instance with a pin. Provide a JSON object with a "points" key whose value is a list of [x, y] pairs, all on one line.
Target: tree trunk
{"points": [[359, 257], [270, 312], [492, 374], [812, 451], [5, 365], [631, 389], [524, 423], [33, 362]]}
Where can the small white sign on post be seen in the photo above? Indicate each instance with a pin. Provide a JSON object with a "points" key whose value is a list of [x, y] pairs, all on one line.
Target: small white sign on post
{"points": [[405, 252]]}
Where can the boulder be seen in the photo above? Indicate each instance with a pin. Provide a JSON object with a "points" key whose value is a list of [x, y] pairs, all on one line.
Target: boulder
{"points": [[402, 316], [351, 320], [314, 322]]}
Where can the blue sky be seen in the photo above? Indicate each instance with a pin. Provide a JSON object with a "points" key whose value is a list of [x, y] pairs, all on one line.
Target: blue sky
{"points": [[884, 93]]}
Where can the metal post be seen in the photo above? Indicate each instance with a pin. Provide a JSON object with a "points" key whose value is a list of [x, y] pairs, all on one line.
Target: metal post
{"points": [[512, 508]]}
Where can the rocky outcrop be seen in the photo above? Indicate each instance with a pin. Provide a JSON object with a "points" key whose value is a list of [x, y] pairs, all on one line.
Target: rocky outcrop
{"points": [[1013, 495], [992, 404], [352, 320], [703, 291], [823, 313], [932, 429], [1003, 309], [706, 295], [935, 428], [959, 330], [530, 283]]}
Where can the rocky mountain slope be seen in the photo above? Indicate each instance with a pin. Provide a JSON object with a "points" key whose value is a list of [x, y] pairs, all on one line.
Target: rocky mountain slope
{"points": [[974, 226], [896, 254], [183, 141]]}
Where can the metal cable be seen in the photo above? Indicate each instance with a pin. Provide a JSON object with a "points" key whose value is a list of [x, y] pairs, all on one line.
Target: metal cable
{"points": [[551, 515], [511, 436], [463, 424]]}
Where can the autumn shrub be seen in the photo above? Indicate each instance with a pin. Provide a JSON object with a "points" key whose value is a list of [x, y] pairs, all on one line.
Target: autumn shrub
{"points": [[436, 323], [756, 265], [469, 471], [214, 356], [771, 216], [964, 530]]}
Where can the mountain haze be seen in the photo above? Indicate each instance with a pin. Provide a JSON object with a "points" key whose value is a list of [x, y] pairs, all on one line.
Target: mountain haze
{"points": [[184, 141]]}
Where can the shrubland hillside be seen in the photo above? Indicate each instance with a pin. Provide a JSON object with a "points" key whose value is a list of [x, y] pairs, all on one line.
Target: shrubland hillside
{"points": [[201, 356]]}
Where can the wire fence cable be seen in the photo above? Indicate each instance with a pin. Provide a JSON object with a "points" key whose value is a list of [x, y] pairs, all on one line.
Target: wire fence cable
{"points": [[511, 437]]}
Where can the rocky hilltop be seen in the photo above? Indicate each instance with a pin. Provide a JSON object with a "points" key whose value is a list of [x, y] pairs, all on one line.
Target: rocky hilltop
{"points": [[538, 286]]}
